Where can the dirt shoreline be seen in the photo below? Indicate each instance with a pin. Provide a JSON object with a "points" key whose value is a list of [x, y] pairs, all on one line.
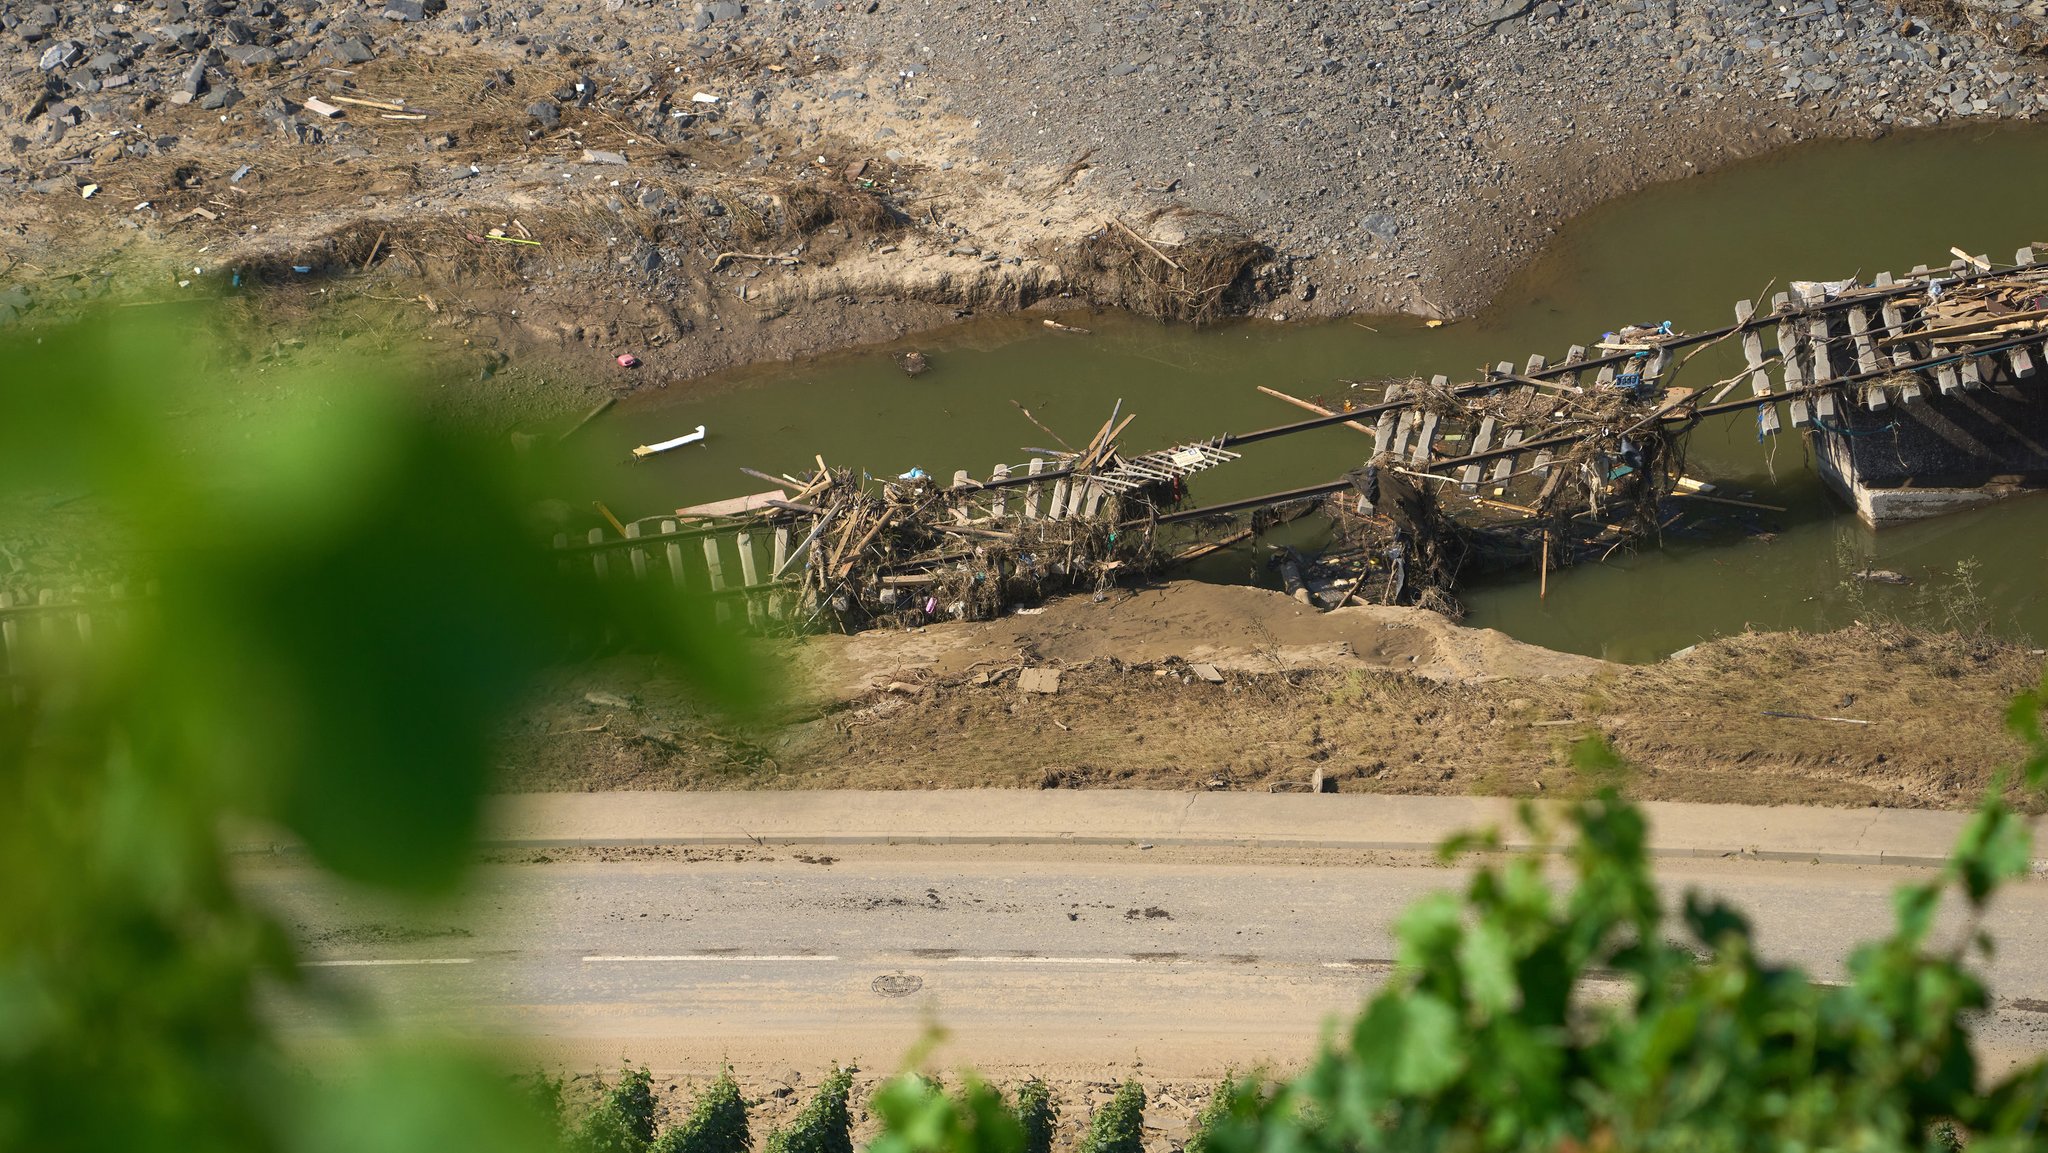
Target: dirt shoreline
{"points": [[1193, 686], [857, 172]]}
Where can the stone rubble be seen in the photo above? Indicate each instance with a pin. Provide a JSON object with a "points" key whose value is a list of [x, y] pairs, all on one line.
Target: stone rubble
{"points": [[1399, 156]]}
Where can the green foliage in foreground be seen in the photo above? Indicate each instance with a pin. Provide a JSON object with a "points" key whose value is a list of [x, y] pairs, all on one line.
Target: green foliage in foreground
{"points": [[717, 1122], [917, 1116], [351, 597], [823, 1125], [1487, 1038], [1119, 1126]]}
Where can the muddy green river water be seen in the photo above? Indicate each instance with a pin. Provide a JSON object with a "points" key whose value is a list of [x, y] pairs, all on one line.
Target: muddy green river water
{"points": [[1683, 251]]}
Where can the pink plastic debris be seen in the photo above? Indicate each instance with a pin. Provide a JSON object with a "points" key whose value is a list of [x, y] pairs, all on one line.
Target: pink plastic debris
{"points": [[628, 360]]}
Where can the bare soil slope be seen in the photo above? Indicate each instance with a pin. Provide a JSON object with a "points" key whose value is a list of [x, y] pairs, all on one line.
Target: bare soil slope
{"points": [[1375, 700]]}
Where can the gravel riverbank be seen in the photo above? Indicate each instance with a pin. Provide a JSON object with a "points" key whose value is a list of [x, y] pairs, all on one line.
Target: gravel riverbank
{"points": [[1407, 155], [712, 183]]}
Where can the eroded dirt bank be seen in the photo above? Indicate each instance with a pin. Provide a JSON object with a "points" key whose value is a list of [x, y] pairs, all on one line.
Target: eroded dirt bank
{"points": [[543, 188], [1373, 699]]}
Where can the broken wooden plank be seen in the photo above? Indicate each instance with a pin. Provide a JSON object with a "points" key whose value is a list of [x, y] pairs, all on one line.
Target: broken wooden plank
{"points": [[1312, 406], [1983, 327], [737, 506]]}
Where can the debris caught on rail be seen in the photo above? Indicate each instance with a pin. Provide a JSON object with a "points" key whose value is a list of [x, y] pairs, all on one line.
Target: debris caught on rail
{"points": [[1532, 467]]}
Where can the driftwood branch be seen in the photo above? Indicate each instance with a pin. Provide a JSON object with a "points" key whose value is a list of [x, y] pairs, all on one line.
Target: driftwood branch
{"points": [[769, 257], [1148, 244]]}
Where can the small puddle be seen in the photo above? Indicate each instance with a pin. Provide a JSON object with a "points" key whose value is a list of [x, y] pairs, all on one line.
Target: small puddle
{"points": [[1684, 252]]}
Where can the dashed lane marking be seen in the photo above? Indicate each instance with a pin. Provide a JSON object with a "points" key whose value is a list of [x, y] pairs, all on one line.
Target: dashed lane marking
{"points": [[391, 961], [607, 958]]}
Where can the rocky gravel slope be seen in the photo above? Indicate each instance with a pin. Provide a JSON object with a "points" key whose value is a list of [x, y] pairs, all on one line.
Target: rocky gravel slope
{"points": [[1413, 150], [1397, 155]]}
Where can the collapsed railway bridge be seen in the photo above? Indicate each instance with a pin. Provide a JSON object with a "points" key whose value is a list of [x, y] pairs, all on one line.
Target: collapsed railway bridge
{"points": [[1919, 394]]}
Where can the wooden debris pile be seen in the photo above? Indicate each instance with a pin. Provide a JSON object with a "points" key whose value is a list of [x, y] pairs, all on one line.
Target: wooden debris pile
{"points": [[909, 550], [1542, 466], [1448, 490], [1982, 312]]}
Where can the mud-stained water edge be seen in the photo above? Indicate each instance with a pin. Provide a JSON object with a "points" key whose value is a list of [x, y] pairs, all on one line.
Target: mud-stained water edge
{"points": [[1683, 251]]}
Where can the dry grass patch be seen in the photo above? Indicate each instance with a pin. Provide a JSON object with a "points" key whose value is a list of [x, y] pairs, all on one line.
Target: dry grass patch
{"points": [[1697, 728]]}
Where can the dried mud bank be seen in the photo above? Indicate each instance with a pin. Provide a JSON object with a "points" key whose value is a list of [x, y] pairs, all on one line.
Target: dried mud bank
{"points": [[710, 184], [1191, 686]]}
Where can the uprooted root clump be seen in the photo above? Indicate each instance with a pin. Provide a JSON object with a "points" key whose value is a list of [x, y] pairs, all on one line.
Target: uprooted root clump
{"points": [[1203, 278]]}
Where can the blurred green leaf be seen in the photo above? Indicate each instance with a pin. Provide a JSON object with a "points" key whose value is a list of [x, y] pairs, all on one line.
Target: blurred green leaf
{"points": [[1916, 906], [351, 603], [403, 1099], [1415, 1039], [1486, 961], [1996, 846], [919, 1117]]}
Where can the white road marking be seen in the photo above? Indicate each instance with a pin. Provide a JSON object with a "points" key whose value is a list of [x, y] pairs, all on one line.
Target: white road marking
{"points": [[1039, 960], [394, 961], [614, 958]]}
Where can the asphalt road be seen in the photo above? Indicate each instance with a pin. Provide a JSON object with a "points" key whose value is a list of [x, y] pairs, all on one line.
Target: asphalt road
{"points": [[1057, 960]]}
